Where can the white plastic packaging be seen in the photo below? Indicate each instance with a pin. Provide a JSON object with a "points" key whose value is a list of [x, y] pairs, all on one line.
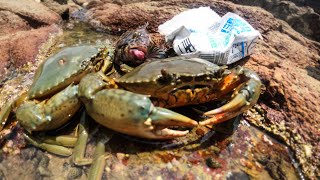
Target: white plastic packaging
{"points": [[203, 33]]}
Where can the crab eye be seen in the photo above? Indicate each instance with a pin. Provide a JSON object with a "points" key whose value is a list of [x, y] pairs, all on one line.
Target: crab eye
{"points": [[136, 34]]}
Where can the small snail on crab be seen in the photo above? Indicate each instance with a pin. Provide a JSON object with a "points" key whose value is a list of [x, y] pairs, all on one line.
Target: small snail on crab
{"points": [[133, 104]]}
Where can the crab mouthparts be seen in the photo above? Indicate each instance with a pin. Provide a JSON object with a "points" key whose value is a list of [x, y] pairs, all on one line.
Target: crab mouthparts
{"points": [[138, 53]]}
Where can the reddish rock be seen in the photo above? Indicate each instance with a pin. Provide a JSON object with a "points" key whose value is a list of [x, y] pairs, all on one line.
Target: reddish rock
{"points": [[287, 62], [298, 14], [24, 27], [11, 23], [61, 8], [36, 14], [117, 18], [4, 50], [22, 47]]}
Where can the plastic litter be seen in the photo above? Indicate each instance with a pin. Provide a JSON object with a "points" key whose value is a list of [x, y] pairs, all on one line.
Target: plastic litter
{"points": [[203, 33]]}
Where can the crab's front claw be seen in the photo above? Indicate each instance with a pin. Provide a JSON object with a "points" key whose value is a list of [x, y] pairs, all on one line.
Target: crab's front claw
{"points": [[243, 97], [135, 115], [159, 121], [128, 112]]}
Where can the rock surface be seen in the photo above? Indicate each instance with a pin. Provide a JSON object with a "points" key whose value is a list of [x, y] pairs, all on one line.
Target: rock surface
{"points": [[25, 26], [119, 17], [35, 13], [22, 47], [287, 62], [298, 13]]}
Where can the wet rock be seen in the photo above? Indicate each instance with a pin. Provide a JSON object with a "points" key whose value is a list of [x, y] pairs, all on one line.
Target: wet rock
{"points": [[36, 14], [238, 176], [44, 162], [41, 162], [31, 164], [29, 153], [43, 172], [74, 173]]}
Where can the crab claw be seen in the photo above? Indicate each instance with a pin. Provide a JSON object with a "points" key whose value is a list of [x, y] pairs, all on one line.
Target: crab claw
{"points": [[128, 112], [134, 114], [243, 98], [159, 121]]}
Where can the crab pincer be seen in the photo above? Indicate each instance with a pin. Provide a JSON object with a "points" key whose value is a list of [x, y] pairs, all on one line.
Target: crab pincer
{"points": [[128, 112], [247, 89]]}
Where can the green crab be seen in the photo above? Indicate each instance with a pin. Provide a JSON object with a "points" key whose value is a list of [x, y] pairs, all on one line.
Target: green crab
{"points": [[171, 83]]}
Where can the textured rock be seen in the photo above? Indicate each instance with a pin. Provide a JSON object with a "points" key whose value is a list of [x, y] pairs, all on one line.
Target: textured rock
{"points": [[34, 13], [11, 23], [297, 13], [287, 62], [24, 27], [22, 47], [61, 8], [117, 18]]}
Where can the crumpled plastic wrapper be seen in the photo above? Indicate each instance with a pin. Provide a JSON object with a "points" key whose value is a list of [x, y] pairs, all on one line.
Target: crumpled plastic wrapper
{"points": [[203, 33]]}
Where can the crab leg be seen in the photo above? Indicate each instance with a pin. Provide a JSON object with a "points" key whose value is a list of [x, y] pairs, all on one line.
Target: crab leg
{"points": [[243, 98], [52, 148], [63, 140], [99, 158], [4, 114], [53, 144], [7, 108], [99, 162], [81, 144]]}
